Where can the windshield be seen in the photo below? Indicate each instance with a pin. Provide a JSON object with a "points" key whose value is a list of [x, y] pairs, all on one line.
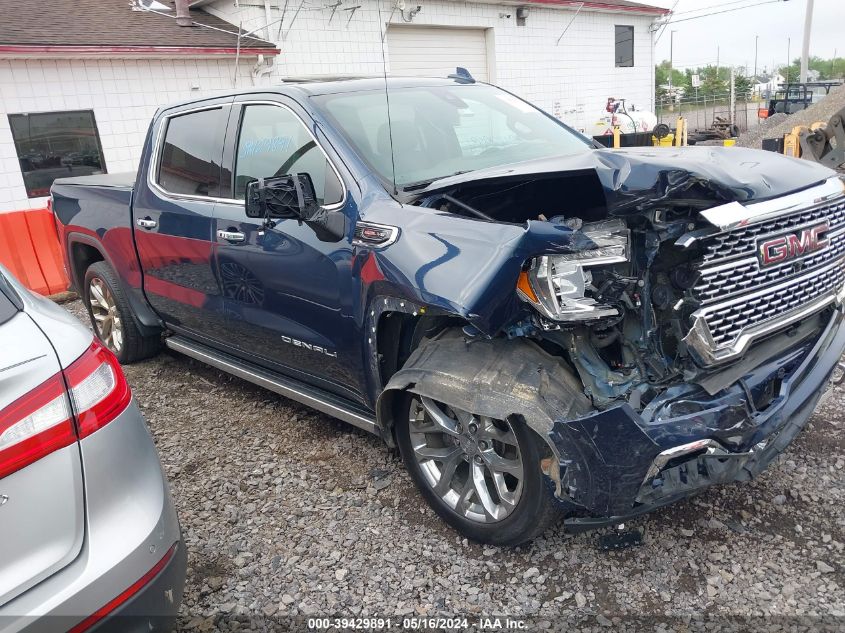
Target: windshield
{"points": [[439, 131]]}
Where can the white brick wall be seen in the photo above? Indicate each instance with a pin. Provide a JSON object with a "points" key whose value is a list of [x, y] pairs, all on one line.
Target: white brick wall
{"points": [[123, 93], [579, 73], [572, 79]]}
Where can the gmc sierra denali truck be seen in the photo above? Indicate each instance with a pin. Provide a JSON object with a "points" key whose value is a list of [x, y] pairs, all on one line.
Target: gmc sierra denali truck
{"points": [[542, 327]]}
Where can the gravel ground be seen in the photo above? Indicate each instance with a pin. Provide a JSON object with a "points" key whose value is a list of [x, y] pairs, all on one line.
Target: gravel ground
{"points": [[287, 512], [780, 124]]}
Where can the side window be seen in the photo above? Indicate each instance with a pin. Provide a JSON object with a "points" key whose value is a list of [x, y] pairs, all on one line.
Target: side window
{"points": [[190, 156], [273, 141]]}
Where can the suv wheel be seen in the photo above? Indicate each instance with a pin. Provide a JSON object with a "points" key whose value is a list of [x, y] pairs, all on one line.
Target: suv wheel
{"points": [[481, 475], [111, 316]]}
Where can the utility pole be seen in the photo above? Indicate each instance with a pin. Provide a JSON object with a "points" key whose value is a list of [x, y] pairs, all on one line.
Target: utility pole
{"points": [[671, 69], [756, 40], [733, 97], [788, 56], [805, 48], [833, 65]]}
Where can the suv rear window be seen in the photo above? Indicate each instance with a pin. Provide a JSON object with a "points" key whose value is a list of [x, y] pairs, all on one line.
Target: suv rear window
{"points": [[10, 303], [190, 156]]}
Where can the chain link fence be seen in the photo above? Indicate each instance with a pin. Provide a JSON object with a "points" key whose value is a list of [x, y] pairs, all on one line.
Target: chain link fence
{"points": [[700, 112]]}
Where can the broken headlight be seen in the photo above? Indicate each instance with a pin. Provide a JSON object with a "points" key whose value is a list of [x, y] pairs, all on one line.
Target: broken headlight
{"points": [[559, 285]]}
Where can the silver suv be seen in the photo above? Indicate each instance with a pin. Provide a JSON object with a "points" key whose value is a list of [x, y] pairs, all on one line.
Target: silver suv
{"points": [[88, 533]]}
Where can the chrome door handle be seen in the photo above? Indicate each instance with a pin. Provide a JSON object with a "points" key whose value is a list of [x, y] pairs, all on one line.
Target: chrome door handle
{"points": [[146, 223], [231, 236]]}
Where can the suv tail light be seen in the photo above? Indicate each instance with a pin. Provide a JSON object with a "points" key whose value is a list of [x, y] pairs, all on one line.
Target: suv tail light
{"points": [[98, 389], [41, 421], [35, 425]]}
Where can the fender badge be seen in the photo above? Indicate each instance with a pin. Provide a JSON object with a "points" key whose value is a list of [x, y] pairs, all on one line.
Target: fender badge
{"points": [[3, 499]]}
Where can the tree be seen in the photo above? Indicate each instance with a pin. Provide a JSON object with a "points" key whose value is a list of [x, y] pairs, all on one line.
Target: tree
{"points": [[743, 86], [661, 81], [828, 69]]}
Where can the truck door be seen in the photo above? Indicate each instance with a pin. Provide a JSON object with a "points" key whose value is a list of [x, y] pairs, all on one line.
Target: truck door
{"points": [[287, 294], [173, 217]]}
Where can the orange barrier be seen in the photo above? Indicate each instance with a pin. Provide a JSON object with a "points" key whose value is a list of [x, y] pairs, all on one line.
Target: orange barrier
{"points": [[29, 248]]}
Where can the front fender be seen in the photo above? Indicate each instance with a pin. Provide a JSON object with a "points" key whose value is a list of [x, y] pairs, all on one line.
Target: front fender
{"points": [[497, 377]]}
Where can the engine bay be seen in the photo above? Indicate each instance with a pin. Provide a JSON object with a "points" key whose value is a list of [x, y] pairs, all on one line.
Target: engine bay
{"points": [[623, 324]]}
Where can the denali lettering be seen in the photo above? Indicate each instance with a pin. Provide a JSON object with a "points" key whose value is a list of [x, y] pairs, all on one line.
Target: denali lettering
{"points": [[785, 247], [309, 346]]}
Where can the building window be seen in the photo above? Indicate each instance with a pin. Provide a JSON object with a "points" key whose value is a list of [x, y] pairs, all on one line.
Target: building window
{"points": [[190, 158], [54, 145], [624, 46]]}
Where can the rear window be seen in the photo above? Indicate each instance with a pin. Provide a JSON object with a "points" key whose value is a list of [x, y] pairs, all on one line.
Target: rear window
{"points": [[10, 303], [190, 156]]}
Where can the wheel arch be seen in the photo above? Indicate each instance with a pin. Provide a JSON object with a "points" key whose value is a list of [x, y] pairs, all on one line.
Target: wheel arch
{"points": [[84, 250], [500, 378]]}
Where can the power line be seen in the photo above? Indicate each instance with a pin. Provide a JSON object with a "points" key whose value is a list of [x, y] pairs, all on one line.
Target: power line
{"points": [[712, 6], [705, 15]]}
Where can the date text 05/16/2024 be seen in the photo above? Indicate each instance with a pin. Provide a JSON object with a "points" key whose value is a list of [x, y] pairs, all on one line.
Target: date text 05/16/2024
{"points": [[416, 623]]}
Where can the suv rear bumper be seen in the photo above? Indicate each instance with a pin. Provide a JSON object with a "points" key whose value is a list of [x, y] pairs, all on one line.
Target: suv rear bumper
{"points": [[130, 525], [617, 463], [154, 607]]}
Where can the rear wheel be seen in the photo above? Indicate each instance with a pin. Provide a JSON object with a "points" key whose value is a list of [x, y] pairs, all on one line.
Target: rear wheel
{"points": [[112, 318], [480, 474]]}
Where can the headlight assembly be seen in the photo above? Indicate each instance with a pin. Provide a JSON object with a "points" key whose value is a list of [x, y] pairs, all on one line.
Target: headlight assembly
{"points": [[558, 285]]}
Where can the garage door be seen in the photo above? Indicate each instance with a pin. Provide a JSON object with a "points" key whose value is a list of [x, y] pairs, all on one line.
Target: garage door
{"points": [[425, 51]]}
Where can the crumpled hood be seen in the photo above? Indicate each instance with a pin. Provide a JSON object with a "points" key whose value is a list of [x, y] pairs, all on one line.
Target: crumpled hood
{"points": [[634, 178]]}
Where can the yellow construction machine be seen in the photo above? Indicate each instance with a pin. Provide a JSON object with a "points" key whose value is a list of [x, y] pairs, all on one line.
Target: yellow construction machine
{"points": [[820, 142]]}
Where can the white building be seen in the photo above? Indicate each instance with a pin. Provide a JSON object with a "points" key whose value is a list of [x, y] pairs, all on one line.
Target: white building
{"points": [[79, 84]]}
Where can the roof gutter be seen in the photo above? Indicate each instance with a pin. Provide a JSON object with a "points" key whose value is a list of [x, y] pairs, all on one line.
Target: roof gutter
{"points": [[27, 50], [601, 6]]}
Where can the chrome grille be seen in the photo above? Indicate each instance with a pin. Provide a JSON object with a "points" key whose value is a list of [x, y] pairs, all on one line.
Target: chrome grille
{"points": [[742, 241], [737, 296], [727, 320]]}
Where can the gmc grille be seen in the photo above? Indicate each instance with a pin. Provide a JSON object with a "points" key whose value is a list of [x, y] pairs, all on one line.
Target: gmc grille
{"points": [[739, 296]]}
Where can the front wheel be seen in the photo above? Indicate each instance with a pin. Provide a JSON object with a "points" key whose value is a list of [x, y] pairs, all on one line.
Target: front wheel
{"points": [[480, 474]]}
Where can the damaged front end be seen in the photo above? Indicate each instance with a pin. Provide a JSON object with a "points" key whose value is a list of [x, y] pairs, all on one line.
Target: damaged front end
{"points": [[667, 343]]}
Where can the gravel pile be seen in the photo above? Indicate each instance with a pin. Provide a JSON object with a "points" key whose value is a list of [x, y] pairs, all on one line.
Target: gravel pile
{"points": [[780, 124], [288, 513]]}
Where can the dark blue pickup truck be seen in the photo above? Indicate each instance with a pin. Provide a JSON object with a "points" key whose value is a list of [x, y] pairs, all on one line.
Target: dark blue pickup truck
{"points": [[543, 328]]}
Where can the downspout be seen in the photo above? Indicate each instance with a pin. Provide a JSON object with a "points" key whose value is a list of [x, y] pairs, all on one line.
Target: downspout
{"points": [[268, 18]]}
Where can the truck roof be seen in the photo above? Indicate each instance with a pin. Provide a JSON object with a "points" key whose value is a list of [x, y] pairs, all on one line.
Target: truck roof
{"points": [[322, 85]]}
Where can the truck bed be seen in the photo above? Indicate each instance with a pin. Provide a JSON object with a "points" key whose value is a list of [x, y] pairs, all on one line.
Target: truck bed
{"points": [[123, 180], [94, 204]]}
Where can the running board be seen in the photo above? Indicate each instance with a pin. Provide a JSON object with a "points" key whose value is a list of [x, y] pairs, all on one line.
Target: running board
{"points": [[325, 403]]}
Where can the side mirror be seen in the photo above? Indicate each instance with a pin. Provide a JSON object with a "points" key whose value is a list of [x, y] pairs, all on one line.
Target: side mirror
{"points": [[293, 196], [289, 196]]}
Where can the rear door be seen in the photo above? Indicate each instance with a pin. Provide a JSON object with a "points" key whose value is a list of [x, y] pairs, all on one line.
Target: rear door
{"points": [[41, 501], [173, 216]]}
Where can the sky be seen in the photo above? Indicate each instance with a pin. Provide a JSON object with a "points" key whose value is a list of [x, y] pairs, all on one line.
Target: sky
{"points": [[696, 41]]}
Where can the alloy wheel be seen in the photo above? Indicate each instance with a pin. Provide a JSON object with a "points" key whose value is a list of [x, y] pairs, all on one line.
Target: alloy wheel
{"points": [[473, 463], [106, 316]]}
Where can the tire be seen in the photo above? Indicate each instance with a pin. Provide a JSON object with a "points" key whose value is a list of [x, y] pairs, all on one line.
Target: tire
{"points": [[535, 508], [661, 130], [112, 318]]}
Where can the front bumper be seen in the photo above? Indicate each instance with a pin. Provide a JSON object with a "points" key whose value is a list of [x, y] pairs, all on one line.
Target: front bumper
{"points": [[617, 463]]}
